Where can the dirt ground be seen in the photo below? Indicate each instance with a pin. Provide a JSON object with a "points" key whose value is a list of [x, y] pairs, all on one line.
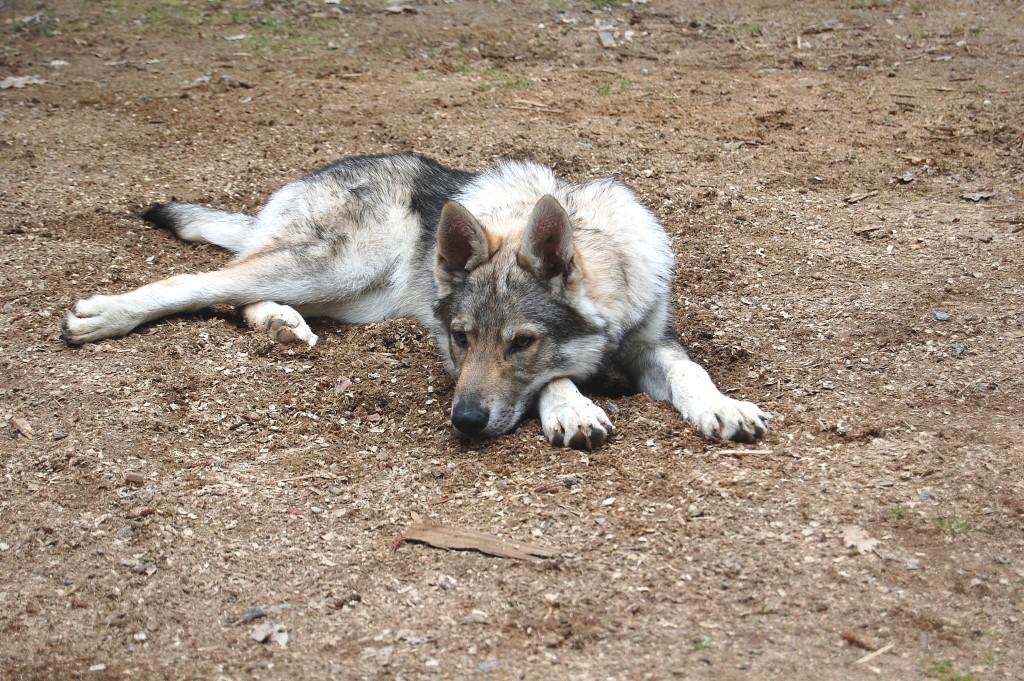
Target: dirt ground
{"points": [[844, 185]]}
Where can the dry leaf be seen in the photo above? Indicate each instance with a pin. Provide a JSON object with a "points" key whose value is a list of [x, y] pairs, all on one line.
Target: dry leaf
{"points": [[857, 538], [23, 426], [442, 537]]}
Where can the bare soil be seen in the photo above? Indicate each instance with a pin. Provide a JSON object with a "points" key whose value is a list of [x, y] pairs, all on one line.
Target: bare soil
{"points": [[810, 160]]}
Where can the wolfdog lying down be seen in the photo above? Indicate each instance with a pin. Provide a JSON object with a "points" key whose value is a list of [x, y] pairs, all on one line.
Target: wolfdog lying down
{"points": [[529, 285]]}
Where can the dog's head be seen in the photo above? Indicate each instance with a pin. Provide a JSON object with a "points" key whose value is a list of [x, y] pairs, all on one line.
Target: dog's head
{"points": [[512, 314]]}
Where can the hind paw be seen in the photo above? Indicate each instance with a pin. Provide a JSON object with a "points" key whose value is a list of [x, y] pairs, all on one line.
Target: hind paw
{"points": [[97, 318], [284, 324]]}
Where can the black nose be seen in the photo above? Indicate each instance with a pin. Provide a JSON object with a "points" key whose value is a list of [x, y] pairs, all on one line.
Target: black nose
{"points": [[469, 416]]}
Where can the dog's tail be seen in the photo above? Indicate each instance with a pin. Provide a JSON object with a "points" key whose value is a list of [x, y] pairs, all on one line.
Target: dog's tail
{"points": [[190, 222]]}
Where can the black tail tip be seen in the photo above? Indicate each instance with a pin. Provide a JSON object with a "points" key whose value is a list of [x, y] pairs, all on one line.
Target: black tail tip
{"points": [[160, 215]]}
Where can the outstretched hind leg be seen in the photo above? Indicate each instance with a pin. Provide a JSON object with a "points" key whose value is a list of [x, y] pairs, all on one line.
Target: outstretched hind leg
{"points": [[274, 274], [284, 324]]}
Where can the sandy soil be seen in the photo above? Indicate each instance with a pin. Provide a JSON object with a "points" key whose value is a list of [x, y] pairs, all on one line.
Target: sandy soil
{"points": [[811, 161]]}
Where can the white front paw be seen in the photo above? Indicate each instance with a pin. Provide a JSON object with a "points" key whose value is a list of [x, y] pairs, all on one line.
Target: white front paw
{"points": [[576, 423], [728, 419], [97, 318]]}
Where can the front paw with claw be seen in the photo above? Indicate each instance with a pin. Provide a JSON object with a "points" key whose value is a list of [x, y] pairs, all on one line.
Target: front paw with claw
{"points": [[729, 419], [578, 423]]}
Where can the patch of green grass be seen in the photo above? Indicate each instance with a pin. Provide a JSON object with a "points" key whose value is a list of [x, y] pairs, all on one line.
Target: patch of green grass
{"points": [[701, 645], [605, 4], [267, 28], [898, 512], [37, 25], [753, 30], [942, 670], [168, 15], [617, 87], [498, 77], [952, 525]]}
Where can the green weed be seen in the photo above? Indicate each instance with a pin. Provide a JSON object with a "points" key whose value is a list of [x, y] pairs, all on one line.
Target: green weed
{"points": [[701, 645], [952, 525], [898, 512], [943, 671]]}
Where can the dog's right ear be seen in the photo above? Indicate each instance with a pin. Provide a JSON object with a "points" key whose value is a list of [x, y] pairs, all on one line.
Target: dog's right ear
{"points": [[462, 244]]}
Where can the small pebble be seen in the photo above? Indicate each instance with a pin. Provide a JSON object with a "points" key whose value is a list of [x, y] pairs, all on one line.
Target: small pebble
{"points": [[886, 483], [940, 316], [134, 478], [488, 666], [252, 614]]}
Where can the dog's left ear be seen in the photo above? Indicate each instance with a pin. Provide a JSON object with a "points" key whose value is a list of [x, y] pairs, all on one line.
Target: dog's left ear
{"points": [[547, 249]]}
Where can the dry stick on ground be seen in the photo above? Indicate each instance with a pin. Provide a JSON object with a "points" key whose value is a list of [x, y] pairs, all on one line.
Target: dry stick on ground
{"points": [[442, 537], [870, 656]]}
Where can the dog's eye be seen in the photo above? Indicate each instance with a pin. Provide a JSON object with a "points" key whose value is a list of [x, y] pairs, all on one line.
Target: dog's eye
{"points": [[522, 342], [460, 339]]}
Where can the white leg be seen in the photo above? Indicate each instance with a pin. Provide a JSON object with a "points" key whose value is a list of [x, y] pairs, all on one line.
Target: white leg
{"points": [[284, 324], [712, 413], [102, 316], [255, 279], [667, 373], [569, 419]]}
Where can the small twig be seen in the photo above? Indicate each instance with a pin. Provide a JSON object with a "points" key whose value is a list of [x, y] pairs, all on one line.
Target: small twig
{"points": [[866, 230], [870, 656], [856, 198], [532, 108], [307, 476], [743, 452]]}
